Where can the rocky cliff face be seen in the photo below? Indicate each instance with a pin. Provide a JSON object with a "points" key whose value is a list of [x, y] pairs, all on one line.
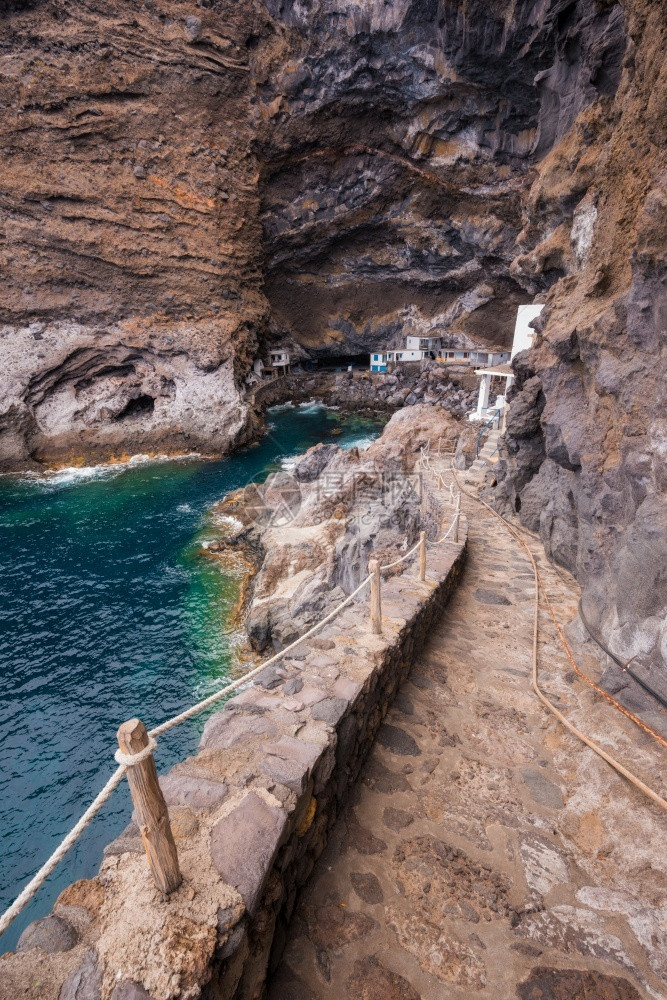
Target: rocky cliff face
{"points": [[182, 181], [396, 146], [131, 249], [585, 449], [165, 164]]}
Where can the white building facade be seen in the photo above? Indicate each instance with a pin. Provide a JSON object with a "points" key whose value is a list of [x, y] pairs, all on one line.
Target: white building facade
{"points": [[280, 359], [522, 341], [523, 335]]}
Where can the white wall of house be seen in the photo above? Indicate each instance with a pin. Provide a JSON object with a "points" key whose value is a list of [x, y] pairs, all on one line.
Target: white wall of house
{"points": [[523, 335], [378, 362], [483, 398], [407, 355], [423, 343]]}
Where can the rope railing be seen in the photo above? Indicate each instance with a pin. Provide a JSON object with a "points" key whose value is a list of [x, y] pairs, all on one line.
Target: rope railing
{"points": [[104, 794], [539, 587], [137, 744], [402, 559]]}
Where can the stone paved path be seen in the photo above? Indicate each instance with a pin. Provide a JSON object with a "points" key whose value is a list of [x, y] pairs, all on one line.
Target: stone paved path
{"points": [[486, 852]]}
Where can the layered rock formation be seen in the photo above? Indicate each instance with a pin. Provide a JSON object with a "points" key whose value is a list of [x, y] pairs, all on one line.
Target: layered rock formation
{"points": [[130, 253], [585, 448], [163, 163], [396, 147]]}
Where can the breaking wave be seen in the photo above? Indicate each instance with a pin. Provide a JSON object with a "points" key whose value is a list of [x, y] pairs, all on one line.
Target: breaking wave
{"points": [[77, 474]]}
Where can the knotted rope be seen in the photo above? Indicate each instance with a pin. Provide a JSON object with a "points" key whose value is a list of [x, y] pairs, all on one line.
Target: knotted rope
{"points": [[130, 759]]}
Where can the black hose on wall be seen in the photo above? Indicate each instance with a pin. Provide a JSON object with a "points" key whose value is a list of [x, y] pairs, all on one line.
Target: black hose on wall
{"points": [[618, 661]]}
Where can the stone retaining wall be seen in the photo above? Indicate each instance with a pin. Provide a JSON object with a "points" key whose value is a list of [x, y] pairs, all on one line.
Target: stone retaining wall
{"points": [[437, 511], [277, 390], [364, 392], [251, 814]]}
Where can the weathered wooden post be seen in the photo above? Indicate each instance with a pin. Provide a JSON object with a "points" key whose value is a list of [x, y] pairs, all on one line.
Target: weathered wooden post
{"points": [[152, 814], [422, 555], [376, 599]]}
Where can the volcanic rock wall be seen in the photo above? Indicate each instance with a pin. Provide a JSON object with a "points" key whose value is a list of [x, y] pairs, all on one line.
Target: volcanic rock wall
{"points": [[181, 181], [396, 146], [585, 453], [165, 163], [130, 250]]}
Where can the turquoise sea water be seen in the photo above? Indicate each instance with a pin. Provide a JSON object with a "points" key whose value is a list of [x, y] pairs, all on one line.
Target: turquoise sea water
{"points": [[108, 610]]}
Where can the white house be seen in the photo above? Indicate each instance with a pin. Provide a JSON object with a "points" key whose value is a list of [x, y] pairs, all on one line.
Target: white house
{"points": [[381, 359], [280, 359], [495, 356], [412, 354], [523, 335], [423, 344], [523, 339], [379, 362], [453, 355], [421, 348]]}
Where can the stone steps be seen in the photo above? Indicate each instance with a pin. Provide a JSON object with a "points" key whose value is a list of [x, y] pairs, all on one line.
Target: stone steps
{"points": [[488, 455]]}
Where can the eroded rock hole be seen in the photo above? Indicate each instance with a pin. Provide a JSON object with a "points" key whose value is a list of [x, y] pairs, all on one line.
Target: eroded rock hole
{"points": [[142, 406], [517, 504], [108, 371]]}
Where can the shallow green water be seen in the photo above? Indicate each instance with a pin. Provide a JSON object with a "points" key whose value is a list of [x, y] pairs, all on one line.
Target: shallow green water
{"points": [[108, 610]]}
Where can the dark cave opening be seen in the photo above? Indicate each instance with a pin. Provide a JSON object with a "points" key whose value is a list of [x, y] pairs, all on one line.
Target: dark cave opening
{"points": [[336, 362], [141, 406]]}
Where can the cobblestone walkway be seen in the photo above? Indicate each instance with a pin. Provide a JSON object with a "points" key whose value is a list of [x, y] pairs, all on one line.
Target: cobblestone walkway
{"points": [[486, 852]]}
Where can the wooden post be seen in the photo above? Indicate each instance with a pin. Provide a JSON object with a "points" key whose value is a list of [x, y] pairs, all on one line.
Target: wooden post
{"points": [[422, 555], [457, 516], [376, 599], [152, 815]]}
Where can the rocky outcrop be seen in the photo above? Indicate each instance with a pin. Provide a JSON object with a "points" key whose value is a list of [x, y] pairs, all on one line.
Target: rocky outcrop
{"points": [[312, 531], [165, 165], [584, 459], [407, 385], [130, 252]]}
